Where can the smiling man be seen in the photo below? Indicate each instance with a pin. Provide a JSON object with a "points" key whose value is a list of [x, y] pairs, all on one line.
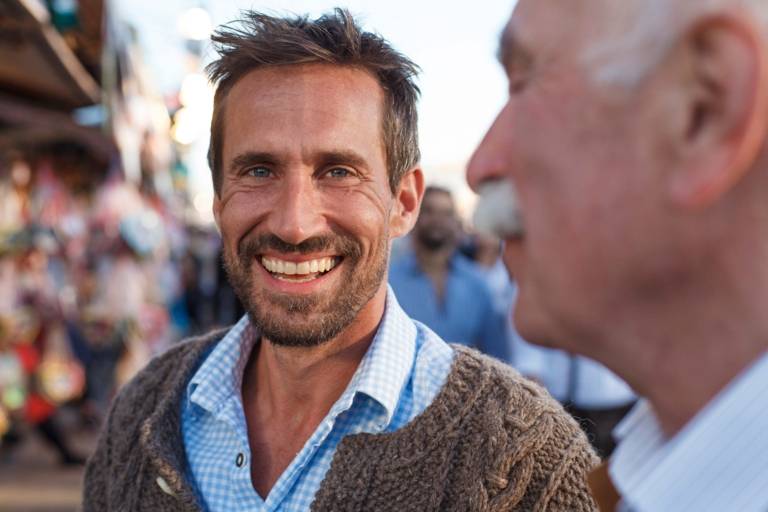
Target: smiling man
{"points": [[628, 173], [326, 395]]}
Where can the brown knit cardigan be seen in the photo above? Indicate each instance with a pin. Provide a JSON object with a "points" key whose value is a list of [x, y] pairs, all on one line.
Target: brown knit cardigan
{"points": [[490, 441]]}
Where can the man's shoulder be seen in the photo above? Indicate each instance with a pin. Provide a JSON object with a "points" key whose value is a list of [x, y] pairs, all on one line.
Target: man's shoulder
{"points": [[531, 432], [470, 273], [506, 403], [503, 390], [403, 268], [489, 435]]}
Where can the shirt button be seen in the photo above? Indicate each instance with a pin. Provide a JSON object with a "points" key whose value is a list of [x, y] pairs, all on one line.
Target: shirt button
{"points": [[240, 460]]}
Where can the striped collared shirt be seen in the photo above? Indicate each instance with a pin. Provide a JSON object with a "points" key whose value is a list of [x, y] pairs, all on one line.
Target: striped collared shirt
{"points": [[399, 376], [718, 462]]}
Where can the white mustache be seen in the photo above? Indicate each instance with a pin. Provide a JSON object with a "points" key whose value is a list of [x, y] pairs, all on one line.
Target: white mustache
{"points": [[498, 210]]}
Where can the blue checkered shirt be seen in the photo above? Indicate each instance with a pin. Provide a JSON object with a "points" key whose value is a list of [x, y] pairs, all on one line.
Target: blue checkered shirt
{"points": [[399, 376]]}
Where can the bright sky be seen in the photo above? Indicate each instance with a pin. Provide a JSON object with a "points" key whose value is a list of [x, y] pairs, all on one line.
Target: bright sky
{"points": [[455, 44]]}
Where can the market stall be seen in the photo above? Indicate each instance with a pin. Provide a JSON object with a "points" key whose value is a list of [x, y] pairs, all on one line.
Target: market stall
{"points": [[87, 217]]}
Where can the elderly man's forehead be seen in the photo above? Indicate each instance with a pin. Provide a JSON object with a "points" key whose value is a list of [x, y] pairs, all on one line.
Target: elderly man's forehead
{"points": [[570, 26], [543, 22]]}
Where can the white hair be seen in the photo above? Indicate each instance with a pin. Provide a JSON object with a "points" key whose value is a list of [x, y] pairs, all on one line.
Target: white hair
{"points": [[641, 31]]}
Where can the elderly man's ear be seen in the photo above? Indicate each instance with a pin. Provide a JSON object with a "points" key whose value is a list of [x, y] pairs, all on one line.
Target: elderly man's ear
{"points": [[721, 122], [408, 197]]}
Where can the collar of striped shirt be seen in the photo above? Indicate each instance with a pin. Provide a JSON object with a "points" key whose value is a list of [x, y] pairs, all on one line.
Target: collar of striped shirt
{"points": [[716, 462], [381, 375]]}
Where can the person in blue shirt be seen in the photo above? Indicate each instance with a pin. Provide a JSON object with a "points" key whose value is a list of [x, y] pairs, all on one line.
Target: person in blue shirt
{"points": [[441, 288]]}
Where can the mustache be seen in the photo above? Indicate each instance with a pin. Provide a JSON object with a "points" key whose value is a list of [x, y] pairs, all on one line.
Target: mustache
{"points": [[498, 210], [342, 245]]}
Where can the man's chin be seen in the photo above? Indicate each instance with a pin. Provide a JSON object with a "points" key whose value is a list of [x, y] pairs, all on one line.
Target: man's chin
{"points": [[294, 339], [298, 325], [533, 327]]}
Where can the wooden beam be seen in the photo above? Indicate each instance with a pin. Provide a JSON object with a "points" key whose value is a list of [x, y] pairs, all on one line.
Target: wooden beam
{"points": [[36, 61], [29, 124]]}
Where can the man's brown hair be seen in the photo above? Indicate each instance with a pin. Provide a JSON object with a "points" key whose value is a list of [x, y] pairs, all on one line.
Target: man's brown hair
{"points": [[259, 40]]}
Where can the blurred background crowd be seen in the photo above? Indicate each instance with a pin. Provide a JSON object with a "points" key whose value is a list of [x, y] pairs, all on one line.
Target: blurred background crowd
{"points": [[107, 250]]}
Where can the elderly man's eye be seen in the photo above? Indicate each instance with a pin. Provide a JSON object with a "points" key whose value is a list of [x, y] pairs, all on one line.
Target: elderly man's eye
{"points": [[517, 84], [516, 87]]}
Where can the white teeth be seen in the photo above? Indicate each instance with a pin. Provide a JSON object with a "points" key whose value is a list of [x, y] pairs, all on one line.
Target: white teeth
{"points": [[304, 268]]}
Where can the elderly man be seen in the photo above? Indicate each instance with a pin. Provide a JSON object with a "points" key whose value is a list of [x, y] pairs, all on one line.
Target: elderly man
{"points": [[632, 155], [326, 395]]}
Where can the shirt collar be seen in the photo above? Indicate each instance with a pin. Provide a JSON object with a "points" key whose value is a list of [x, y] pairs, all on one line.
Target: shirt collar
{"points": [[220, 376], [381, 375], [705, 466], [386, 366]]}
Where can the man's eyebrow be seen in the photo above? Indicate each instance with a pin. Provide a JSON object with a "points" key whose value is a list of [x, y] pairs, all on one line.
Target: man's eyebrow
{"points": [[342, 157], [330, 157], [512, 53], [250, 158]]}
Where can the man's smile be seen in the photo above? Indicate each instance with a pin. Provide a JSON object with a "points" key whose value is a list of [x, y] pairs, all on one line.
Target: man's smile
{"points": [[299, 271]]}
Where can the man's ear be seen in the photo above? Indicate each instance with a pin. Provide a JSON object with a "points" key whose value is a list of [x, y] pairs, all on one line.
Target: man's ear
{"points": [[408, 197], [726, 102]]}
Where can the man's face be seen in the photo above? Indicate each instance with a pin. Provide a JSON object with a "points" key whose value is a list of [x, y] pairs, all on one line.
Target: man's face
{"points": [[305, 205], [437, 226], [578, 154]]}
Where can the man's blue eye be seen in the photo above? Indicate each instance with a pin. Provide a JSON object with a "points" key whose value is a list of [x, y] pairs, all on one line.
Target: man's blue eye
{"points": [[339, 172], [259, 172]]}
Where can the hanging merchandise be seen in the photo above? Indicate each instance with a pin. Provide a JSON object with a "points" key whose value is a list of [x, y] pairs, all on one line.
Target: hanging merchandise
{"points": [[12, 383]]}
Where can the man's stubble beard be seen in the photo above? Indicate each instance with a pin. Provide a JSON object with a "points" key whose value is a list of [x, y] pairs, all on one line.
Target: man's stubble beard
{"points": [[331, 314]]}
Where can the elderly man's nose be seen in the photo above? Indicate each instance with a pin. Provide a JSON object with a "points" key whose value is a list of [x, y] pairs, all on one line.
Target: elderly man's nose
{"points": [[489, 162], [485, 165]]}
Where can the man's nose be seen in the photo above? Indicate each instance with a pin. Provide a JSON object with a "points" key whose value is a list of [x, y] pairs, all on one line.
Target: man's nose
{"points": [[490, 160], [297, 213]]}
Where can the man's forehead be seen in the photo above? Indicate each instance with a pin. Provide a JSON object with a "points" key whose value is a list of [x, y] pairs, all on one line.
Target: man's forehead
{"points": [[537, 24], [565, 18], [570, 29], [290, 81]]}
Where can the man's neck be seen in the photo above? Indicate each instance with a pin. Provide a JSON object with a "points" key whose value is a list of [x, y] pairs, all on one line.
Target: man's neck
{"points": [[433, 261], [683, 355], [697, 386], [302, 383], [287, 391]]}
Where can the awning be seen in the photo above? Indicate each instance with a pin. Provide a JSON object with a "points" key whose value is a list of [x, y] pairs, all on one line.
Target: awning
{"points": [[36, 62]]}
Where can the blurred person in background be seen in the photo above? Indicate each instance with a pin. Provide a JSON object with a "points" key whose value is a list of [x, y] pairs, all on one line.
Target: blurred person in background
{"points": [[485, 251], [441, 288], [315, 164], [628, 175]]}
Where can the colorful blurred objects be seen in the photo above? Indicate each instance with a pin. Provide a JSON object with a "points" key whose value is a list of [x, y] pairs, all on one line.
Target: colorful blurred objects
{"points": [[5, 422], [61, 379]]}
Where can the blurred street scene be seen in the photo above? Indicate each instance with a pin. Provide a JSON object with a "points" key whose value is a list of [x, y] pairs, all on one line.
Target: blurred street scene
{"points": [[103, 260]]}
